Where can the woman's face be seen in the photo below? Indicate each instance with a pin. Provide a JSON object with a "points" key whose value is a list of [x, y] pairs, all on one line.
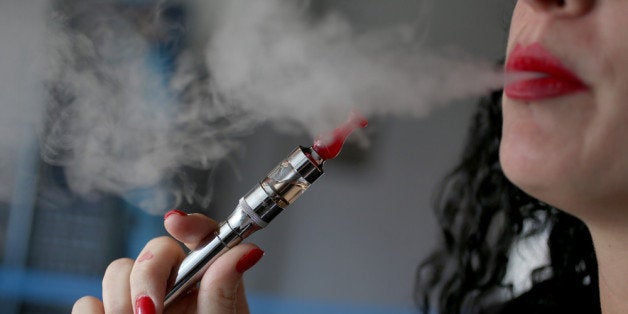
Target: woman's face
{"points": [[565, 136]]}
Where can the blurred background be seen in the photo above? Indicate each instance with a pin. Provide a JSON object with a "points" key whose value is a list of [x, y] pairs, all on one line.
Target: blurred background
{"points": [[349, 245]]}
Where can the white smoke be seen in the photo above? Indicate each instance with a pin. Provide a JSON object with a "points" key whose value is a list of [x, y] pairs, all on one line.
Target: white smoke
{"points": [[117, 125], [271, 59]]}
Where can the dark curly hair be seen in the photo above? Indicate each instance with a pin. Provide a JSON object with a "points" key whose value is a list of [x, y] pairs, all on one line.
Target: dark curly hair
{"points": [[481, 215]]}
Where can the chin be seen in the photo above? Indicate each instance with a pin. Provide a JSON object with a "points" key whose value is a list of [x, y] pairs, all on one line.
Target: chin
{"points": [[531, 173], [548, 184]]}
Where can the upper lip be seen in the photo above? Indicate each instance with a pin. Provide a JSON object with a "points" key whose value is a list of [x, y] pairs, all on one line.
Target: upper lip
{"points": [[555, 78]]}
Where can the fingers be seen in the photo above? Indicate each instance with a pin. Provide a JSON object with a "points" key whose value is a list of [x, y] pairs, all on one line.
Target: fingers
{"points": [[151, 273], [140, 286], [88, 305], [116, 287], [190, 229], [221, 289]]}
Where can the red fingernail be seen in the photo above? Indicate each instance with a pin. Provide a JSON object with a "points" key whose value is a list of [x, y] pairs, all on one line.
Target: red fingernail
{"points": [[249, 260], [173, 212], [144, 305]]}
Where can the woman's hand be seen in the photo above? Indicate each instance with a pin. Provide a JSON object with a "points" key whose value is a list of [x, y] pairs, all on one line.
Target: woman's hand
{"points": [[140, 286]]}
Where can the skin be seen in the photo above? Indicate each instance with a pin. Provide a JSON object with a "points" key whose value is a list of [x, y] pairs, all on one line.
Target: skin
{"points": [[220, 291], [572, 151]]}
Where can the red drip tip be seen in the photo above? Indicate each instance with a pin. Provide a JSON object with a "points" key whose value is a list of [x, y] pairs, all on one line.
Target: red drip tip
{"points": [[328, 146]]}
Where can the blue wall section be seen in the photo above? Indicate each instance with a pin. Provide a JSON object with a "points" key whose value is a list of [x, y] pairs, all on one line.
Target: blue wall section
{"points": [[46, 287], [63, 289]]}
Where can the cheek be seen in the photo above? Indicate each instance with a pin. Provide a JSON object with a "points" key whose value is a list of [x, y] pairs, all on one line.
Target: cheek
{"points": [[608, 139], [520, 18]]}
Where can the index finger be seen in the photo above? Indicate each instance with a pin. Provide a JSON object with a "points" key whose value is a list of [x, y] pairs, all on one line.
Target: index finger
{"points": [[190, 229]]}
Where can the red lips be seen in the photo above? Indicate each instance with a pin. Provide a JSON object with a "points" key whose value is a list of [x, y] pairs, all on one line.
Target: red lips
{"points": [[555, 79]]}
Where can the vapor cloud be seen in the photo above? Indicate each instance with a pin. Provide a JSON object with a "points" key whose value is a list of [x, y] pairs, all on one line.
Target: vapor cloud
{"points": [[119, 120]]}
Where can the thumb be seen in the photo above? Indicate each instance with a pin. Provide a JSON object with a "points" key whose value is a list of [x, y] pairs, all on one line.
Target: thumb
{"points": [[221, 289]]}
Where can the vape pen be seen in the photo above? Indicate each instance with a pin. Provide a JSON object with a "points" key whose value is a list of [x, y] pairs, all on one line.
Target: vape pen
{"points": [[257, 208]]}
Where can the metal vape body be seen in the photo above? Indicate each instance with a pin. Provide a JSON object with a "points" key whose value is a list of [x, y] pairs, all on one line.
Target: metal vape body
{"points": [[280, 188]]}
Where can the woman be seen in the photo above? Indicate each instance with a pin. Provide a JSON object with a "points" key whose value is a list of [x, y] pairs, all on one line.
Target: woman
{"points": [[569, 149], [468, 274], [562, 142]]}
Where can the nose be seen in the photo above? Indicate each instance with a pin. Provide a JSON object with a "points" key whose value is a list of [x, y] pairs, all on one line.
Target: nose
{"points": [[562, 8]]}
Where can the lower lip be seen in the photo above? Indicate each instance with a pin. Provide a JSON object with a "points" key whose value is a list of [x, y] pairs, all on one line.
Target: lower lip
{"points": [[543, 88]]}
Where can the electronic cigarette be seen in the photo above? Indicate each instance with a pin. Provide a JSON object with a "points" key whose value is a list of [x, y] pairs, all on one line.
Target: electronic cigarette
{"points": [[257, 208]]}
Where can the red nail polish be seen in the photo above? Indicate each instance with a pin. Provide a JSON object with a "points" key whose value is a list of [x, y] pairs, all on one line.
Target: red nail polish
{"points": [[173, 212], [249, 260], [144, 305]]}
